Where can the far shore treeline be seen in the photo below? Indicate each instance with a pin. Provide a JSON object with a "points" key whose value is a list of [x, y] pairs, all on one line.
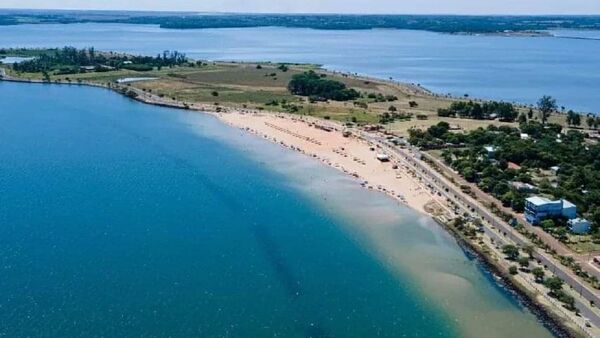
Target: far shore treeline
{"points": [[70, 60], [183, 20]]}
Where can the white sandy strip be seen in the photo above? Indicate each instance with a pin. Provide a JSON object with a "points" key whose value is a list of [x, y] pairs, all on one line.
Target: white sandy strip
{"points": [[349, 154]]}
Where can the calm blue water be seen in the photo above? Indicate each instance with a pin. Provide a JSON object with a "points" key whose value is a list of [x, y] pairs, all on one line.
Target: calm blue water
{"points": [[119, 219], [518, 69]]}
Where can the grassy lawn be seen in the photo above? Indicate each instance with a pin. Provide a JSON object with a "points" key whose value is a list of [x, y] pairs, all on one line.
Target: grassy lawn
{"points": [[259, 85], [583, 244]]}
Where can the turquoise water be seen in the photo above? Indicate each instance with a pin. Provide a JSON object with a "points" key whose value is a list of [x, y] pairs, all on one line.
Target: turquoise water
{"points": [[518, 69], [119, 219]]}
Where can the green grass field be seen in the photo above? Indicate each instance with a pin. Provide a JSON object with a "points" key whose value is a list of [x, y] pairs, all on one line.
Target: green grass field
{"points": [[258, 86]]}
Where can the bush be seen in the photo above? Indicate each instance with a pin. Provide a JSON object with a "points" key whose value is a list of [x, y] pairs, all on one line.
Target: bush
{"points": [[513, 270]]}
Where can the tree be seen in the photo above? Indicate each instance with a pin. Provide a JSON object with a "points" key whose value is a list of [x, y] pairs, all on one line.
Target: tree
{"points": [[590, 121], [513, 270], [555, 285], [568, 300], [530, 114], [539, 274], [576, 120], [459, 222], [511, 252], [524, 262], [546, 106], [529, 250], [392, 109], [522, 119], [469, 174], [570, 117], [547, 224]]}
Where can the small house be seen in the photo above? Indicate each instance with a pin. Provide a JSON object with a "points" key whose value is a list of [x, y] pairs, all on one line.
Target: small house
{"points": [[579, 225], [490, 150]]}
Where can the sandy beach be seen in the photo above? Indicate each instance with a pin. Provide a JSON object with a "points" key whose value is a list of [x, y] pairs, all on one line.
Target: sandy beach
{"points": [[351, 155]]}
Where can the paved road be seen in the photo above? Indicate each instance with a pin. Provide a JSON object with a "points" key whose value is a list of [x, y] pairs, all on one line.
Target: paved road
{"points": [[466, 203], [560, 248]]}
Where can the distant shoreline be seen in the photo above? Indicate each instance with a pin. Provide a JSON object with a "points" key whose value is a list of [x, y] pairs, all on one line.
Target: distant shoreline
{"points": [[503, 25]]}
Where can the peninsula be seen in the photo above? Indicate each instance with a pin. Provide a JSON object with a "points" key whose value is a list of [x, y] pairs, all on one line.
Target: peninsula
{"points": [[428, 151]]}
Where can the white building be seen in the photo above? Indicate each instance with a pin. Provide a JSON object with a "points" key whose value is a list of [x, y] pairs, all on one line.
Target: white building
{"points": [[491, 151]]}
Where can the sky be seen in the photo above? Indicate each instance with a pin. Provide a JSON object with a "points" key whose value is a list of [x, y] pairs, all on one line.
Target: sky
{"points": [[327, 6]]}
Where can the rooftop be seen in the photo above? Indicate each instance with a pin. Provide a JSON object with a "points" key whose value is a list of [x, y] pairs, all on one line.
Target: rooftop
{"points": [[537, 200], [567, 204]]}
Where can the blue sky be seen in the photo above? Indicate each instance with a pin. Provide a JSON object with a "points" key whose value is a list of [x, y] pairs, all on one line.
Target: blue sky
{"points": [[328, 6]]}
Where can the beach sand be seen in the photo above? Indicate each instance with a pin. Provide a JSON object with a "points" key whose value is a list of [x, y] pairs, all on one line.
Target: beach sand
{"points": [[351, 155]]}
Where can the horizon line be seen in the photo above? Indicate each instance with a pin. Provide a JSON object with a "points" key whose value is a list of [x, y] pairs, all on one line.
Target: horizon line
{"points": [[287, 13]]}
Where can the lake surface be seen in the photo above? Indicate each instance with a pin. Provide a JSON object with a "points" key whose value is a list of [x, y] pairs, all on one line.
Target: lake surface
{"points": [[13, 59], [518, 69], [119, 219]]}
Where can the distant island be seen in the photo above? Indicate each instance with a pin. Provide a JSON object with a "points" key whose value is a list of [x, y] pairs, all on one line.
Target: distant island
{"points": [[531, 25]]}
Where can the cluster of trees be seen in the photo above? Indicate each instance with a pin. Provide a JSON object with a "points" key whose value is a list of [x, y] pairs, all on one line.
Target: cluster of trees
{"points": [[578, 179], [319, 87], [593, 122], [69, 60], [474, 110], [393, 115], [573, 119], [554, 284], [379, 97], [576, 120]]}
